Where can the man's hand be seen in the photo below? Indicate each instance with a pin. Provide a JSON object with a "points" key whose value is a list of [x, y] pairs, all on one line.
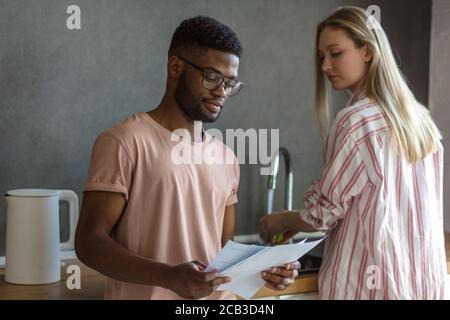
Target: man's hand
{"points": [[279, 278], [190, 282]]}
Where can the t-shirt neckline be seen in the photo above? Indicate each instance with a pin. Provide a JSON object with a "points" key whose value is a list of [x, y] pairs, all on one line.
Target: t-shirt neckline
{"points": [[207, 138]]}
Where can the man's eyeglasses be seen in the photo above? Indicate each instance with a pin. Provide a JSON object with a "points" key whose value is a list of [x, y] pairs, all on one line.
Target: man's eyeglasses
{"points": [[212, 80]]}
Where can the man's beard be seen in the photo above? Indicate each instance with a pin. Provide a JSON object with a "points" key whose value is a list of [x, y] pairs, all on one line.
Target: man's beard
{"points": [[191, 107]]}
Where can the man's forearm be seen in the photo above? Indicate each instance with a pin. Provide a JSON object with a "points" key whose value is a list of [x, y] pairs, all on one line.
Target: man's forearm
{"points": [[107, 256]]}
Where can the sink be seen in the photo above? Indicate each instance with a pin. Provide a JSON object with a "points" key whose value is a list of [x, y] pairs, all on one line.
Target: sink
{"points": [[255, 239], [310, 262]]}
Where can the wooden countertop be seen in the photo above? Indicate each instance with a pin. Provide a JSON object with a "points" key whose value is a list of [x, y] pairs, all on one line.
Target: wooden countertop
{"points": [[93, 285], [308, 283]]}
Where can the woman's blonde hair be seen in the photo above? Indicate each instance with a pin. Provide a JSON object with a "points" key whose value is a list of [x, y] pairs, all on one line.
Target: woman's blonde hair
{"points": [[410, 122]]}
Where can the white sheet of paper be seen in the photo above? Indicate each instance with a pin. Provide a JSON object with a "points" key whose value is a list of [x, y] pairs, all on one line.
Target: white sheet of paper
{"points": [[232, 253], [244, 263]]}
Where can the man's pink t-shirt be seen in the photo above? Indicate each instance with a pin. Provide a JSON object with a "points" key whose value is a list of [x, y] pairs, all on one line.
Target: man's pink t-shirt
{"points": [[175, 209]]}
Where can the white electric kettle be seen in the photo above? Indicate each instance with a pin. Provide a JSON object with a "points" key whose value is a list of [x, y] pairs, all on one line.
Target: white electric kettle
{"points": [[32, 234]]}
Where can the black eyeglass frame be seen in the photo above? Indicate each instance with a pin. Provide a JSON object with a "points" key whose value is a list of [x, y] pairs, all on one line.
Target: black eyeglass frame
{"points": [[224, 80]]}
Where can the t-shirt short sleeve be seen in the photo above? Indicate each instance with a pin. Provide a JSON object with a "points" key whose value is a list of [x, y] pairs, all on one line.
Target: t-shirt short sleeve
{"points": [[232, 199], [110, 167]]}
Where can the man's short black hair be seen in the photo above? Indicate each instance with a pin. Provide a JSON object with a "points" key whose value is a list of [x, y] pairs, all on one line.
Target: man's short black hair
{"points": [[203, 32]]}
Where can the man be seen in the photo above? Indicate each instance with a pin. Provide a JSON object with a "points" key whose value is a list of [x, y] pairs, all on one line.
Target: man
{"points": [[150, 224]]}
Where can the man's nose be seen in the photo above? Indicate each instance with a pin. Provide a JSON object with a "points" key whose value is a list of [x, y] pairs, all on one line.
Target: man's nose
{"points": [[220, 91]]}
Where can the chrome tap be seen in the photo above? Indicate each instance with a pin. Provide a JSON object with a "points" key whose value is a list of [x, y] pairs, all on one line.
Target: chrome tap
{"points": [[288, 187]]}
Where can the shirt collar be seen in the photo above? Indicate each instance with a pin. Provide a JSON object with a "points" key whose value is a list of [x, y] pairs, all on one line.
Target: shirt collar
{"points": [[355, 97]]}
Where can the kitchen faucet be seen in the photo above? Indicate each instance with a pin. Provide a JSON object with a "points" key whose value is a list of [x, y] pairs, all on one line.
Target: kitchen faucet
{"points": [[288, 186]]}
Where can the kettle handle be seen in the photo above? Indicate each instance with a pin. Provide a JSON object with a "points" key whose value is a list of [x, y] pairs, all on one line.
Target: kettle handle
{"points": [[72, 198]]}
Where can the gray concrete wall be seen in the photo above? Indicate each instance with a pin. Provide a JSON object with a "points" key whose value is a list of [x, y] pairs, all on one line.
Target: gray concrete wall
{"points": [[440, 84], [60, 88]]}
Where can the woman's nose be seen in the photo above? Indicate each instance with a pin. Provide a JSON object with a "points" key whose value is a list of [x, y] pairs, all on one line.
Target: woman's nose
{"points": [[326, 66]]}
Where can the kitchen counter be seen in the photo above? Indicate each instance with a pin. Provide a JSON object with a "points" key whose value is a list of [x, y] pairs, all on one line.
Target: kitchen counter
{"points": [[93, 284], [308, 283]]}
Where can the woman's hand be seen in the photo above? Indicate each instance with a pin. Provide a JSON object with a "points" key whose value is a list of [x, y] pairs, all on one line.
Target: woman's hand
{"points": [[278, 227]]}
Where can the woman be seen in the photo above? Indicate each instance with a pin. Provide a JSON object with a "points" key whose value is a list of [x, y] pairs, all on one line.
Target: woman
{"points": [[379, 198]]}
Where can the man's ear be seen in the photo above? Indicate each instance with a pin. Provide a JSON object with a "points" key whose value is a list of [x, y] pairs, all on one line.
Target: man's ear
{"points": [[174, 67]]}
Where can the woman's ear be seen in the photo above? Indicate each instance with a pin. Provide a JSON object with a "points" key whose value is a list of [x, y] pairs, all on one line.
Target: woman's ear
{"points": [[174, 67], [368, 53]]}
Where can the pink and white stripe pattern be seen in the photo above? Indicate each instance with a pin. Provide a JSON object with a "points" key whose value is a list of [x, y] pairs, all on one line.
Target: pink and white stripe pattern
{"points": [[383, 215]]}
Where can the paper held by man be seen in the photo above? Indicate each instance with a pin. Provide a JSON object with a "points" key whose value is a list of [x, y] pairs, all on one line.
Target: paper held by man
{"points": [[244, 263]]}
